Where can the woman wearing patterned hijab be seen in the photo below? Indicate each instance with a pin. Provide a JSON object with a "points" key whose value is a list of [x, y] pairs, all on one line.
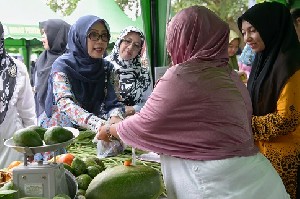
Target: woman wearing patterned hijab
{"points": [[55, 36], [274, 86], [17, 108], [132, 81], [198, 118]]}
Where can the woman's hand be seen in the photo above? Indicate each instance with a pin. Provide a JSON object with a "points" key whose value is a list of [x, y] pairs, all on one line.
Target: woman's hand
{"points": [[102, 134], [129, 110], [107, 131]]}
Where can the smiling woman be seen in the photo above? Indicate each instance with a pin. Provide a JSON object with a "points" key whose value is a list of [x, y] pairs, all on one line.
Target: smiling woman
{"points": [[80, 93], [133, 82]]}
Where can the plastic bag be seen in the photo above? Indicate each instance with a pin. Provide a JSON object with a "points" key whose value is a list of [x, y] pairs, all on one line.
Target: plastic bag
{"points": [[112, 148]]}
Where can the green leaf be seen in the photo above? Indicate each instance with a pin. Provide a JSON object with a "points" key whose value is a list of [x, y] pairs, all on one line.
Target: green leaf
{"points": [[6, 192]]}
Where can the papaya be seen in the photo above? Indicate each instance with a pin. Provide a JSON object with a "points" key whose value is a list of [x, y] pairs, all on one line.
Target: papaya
{"points": [[126, 182], [40, 130], [27, 137], [57, 134]]}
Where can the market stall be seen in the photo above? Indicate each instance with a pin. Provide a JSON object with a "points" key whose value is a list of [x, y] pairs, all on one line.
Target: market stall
{"points": [[20, 21]]}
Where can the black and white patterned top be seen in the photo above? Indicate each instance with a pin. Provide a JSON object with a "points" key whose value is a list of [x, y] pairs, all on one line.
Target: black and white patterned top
{"points": [[132, 81]]}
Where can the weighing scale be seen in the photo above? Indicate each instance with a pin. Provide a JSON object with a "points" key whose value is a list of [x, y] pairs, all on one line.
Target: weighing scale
{"points": [[39, 179]]}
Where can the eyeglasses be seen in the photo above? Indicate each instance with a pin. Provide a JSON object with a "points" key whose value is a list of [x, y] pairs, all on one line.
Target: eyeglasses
{"points": [[135, 46], [94, 36]]}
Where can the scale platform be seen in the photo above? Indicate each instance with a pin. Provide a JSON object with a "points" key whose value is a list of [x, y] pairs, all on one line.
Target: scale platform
{"points": [[41, 179]]}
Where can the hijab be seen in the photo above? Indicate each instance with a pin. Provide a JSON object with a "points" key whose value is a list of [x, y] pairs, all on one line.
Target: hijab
{"points": [[8, 74], [273, 66], [196, 110], [233, 60], [86, 74], [134, 79], [57, 36]]}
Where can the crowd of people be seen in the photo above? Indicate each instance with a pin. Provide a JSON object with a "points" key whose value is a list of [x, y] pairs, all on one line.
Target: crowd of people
{"points": [[217, 135]]}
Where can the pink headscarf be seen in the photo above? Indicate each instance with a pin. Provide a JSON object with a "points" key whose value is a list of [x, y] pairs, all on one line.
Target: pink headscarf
{"points": [[199, 109], [197, 33]]}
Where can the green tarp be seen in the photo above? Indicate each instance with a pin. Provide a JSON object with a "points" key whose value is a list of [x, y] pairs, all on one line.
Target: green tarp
{"points": [[106, 9], [20, 19], [155, 15]]}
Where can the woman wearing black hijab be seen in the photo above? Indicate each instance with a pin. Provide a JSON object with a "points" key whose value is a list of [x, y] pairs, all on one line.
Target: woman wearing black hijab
{"points": [[55, 37], [274, 86]]}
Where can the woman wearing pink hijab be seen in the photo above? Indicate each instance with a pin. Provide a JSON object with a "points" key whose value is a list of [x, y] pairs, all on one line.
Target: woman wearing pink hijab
{"points": [[198, 118]]}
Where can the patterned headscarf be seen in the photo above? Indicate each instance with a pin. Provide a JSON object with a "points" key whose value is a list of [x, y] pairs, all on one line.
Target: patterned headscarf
{"points": [[133, 78], [8, 74]]}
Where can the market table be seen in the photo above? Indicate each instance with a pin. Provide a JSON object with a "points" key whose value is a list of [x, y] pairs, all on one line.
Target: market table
{"points": [[83, 146]]}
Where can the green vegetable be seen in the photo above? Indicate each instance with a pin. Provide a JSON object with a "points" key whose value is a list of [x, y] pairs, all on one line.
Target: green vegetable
{"points": [[61, 196], [40, 130], [8, 186], [57, 134], [27, 137], [78, 166], [80, 192], [94, 161], [93, 171], [83, 181], [126, 182]]}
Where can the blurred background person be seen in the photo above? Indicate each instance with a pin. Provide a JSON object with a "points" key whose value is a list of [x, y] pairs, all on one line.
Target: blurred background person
{"points": [[54, 39], [233, 46], [17, 109]]}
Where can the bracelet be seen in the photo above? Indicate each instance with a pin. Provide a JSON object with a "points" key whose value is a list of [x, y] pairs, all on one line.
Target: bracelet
{"points": [[107, 130]]}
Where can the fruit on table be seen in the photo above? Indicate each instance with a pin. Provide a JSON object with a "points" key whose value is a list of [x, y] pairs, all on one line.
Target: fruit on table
{"points": [[93, 171], [80, 192], [83, 181], [66, 158], [69, 168], [127, 162], [27, 137], [126, 182], [14, 164], [94, 161], [78, 166], [61, 196], [57, 134], [40, 130]]}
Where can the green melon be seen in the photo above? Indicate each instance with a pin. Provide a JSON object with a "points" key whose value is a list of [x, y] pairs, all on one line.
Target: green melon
{"points": [[57, 134], [27, 137], [126, 182], [40, 130]]}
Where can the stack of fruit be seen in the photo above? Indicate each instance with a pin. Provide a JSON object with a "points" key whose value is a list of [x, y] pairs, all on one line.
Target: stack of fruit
{"points": [[83, 169], [34, 136]]}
